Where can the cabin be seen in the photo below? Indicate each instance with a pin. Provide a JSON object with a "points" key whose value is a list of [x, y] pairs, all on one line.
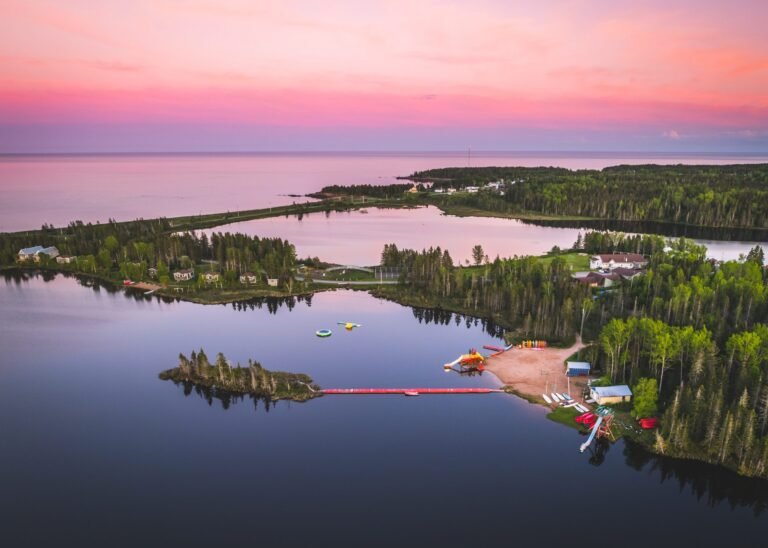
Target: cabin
{"points": [[272, 282], [34, 253], [617, 260], [211, 277], [577, 369], [605, 395], [249, 278], [184, 275], [414, 189], [61, 259], [472, 189]]}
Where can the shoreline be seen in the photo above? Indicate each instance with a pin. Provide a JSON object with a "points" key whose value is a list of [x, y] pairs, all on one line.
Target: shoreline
{"points": [[532, 372]]}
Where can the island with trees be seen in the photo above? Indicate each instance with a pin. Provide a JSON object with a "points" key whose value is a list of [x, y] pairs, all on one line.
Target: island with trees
{"points": [[221, 378]]}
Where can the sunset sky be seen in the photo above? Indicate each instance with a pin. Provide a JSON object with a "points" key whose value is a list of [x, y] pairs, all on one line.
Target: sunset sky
{"points": [[207, 75]]}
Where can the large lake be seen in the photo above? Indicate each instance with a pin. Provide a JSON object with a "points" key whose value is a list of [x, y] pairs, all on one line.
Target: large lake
{"points": [[59, 189], [95, 450]]}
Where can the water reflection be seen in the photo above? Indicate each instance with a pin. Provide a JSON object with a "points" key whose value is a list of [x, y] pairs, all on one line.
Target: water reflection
{"points": [[224, 397], [443, 317], [706, 482]]}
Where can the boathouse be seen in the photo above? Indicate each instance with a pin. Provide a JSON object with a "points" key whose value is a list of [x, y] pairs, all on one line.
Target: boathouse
{"points": [[577, 369], [605, 395]]}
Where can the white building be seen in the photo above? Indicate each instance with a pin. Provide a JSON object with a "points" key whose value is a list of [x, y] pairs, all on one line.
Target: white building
{"points": [[618, 260], [184, 275], [604, 395], [34, 253]]}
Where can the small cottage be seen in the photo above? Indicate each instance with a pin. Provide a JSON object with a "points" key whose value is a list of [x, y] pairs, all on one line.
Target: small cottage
{"points": [[249, 278], [152, 271], [605, 395], [184, 275], [61, 259], [272, 282], [577, 369], [211, 277]]}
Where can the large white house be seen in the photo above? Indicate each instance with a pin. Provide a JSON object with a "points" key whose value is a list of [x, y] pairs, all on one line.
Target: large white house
{"points": [[617, 260], [34, 253]]}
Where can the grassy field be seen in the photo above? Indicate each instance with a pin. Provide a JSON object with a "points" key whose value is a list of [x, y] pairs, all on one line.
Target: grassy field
{"points": [[577, 261], [565, 416]]}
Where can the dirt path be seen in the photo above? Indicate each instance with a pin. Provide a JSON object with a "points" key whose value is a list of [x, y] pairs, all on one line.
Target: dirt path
{"points": [[530, 371]]}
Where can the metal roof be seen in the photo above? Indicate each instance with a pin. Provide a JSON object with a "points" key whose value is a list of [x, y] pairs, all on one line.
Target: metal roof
{"points": [[31, 250], [620, 390], [578, 365]]}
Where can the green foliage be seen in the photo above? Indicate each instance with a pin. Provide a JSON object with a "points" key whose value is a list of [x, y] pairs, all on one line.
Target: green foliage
{"points": [[478, 254], [252, 379], [712, 196], [645, 396]]}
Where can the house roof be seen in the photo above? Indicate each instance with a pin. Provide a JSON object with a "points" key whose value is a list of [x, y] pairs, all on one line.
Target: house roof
{"points": [[31, 250], [620, 390], [185, 271], [578, 365], [622, 258], [627, 272]]}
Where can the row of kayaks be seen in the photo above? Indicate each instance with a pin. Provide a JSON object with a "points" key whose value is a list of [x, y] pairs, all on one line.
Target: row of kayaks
{"points": [[564, 400]]}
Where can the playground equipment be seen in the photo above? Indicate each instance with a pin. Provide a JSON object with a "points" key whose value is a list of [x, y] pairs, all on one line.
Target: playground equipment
{"points": [[471, 360], [349, 326], [323, 333], [601, 427]]}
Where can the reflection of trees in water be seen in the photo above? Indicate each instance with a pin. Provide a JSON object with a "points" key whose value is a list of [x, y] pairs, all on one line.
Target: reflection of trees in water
{"points": [[273, 304], [444, 317], [225, 397], [598, 450], [708, 482]]}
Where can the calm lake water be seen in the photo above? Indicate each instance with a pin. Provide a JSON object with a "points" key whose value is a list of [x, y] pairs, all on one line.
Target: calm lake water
{"points": [[96, 451], [358, 238], [59, 189]]}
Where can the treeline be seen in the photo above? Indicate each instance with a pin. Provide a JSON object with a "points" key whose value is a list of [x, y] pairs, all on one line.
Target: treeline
{"points": [[252, 379], [712, 196], [394, 190], [129, 250], [538, 299]]}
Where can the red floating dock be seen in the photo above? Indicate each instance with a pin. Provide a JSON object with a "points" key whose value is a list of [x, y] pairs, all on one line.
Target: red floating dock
{"points": [[404, 390]]}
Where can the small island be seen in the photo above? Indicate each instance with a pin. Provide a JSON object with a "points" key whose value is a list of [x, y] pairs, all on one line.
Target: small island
{"points": [[253, 380]]}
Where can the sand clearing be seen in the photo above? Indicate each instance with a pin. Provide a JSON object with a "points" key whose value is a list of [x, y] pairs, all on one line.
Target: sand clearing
{"points": [[528, 371]]}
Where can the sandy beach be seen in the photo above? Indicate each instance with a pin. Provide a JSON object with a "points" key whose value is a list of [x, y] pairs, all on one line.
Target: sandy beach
{"points": [[530, 372]]}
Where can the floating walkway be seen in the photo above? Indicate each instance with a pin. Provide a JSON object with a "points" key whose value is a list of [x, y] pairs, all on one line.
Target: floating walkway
{"points": [[410, 390]]}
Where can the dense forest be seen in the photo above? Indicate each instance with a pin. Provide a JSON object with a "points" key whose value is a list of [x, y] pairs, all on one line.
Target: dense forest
{"points": [[252, 379], [715, 196], [128, 250], [693, 329], [534, 297]]}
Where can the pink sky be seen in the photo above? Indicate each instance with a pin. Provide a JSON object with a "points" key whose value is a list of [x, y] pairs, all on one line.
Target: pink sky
{"points": [[235, 75]]}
